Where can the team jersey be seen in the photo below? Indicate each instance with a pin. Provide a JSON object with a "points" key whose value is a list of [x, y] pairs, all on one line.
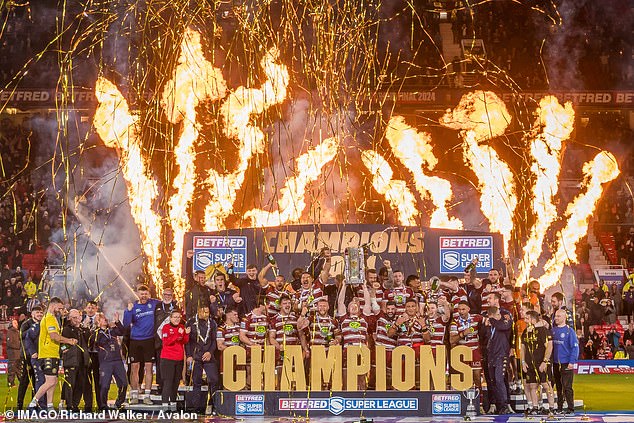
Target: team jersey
{"points": [[255, 326], [273, 300], [354, 330], [399, 295], [456, 298], [285, 328], [309, 297], [230, 335], [47, 348], [471, 325], [437, 329], [141, 317], [378, 294], [534, 340], [383, 325], [409, 333], [322, 330]]}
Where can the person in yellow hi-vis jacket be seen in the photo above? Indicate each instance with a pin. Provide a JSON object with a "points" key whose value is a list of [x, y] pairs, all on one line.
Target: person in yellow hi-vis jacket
{"points": [[49, 351]]}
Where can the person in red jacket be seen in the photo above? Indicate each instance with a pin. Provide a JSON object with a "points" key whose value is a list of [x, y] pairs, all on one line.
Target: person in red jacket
{"points": [[174, 336]]}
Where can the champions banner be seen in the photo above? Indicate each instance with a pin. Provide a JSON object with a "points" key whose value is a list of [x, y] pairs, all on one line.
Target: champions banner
{"points": [[414, 250]]}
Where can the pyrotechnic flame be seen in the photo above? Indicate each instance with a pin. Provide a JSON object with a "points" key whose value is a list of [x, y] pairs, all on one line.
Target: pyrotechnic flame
{"points": [[482, 115], [292, 202], [236, 112], [194, 80], [117, 127], [395, 191], [414, 150], [555, 123], [602, 169]]}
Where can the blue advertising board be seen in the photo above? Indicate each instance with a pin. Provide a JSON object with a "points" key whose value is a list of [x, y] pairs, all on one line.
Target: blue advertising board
{"points": [[456, 252], [213, 249], [249, 405], [411, 249], [446, 404]]}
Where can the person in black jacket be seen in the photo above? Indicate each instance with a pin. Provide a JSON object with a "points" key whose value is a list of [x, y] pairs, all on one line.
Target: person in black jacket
{"points": [[110, 358], [76, 361], [201, 354], [198, 296], [30, 334], [31, 373]]}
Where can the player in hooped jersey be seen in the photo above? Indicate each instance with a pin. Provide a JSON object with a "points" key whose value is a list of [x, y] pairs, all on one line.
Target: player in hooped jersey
{"points": [[254, 326], [319, 328], [465, 330], [228, 334], [438, 317], [283, 329], [354, 325], [399, 293], [274, 291], [410, 327], [312, 290]]}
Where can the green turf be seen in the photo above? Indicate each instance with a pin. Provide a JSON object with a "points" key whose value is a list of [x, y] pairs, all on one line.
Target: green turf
{"points": [[605, 392], [598, 392]]}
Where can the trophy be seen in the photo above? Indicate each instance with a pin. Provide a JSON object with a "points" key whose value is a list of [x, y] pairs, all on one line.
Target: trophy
{"points": [[354, 266], [471, 394], [434, 288]]}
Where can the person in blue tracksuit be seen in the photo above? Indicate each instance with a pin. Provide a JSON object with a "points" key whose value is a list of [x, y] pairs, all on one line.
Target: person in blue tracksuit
{"points": [[565, 355], [140, 316], [110, 358]]}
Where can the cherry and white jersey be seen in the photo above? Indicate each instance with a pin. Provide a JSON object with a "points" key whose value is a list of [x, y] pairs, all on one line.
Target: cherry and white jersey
{"points": [[471, 325], [437, 328], [273, 300], [378, 294], [399, 295], [255, 327], [311, 296], [322, 330], [354, 330], [409, 333], [456, 298], [485, 294], [383, 325], [285, 328], [230, 335]]}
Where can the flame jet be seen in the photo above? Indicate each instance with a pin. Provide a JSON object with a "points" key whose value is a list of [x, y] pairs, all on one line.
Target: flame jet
{"points": [[194, 80], [602, 169], [414, 150], [481, 115], [118, 129], [395, 191], [292, 201], [554, 125], [237, 111]]}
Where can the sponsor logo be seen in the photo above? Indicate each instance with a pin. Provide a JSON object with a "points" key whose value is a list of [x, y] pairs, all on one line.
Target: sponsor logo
{"points": [[338, 405], [249, 405], [210, 250], [456, 252], [445, 404], [604, 367]]}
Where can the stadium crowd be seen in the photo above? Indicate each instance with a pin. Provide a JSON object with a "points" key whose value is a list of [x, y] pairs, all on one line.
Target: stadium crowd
{"points": [[509, 329]]}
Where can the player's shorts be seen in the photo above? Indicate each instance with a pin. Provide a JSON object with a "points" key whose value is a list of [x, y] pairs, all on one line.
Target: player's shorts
{"points": [[476, 360], [50, 366], [533, 375], [141, 351]]}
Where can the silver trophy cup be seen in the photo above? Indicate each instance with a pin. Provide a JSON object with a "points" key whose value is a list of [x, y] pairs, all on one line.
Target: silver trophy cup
{"points": [[471, 394]]}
